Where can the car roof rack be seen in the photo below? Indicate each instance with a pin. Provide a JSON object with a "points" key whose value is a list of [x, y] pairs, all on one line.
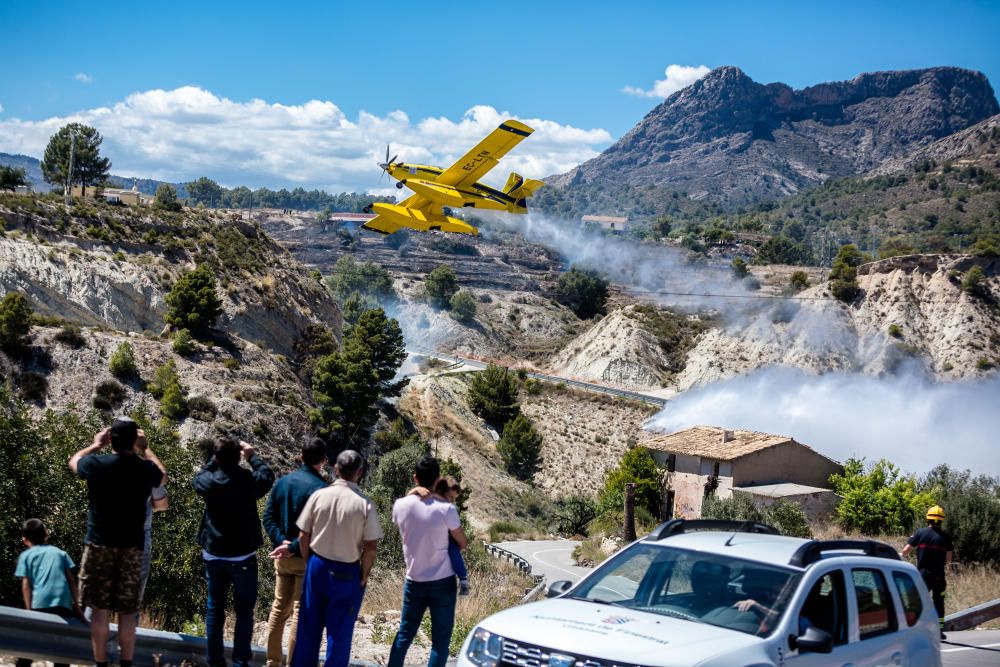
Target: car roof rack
{"points": [[679, 526], [812, 551]]}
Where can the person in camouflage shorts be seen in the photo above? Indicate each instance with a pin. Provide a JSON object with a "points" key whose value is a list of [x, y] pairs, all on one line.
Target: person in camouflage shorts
{"points": [[119, 487], [111, 578]]}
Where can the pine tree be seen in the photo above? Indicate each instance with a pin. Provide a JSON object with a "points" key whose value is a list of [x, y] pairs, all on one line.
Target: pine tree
{"points": [[345, 390], [520, 446], [440, 286], [584, 292], [463, 306], [193, 301], [493, 395], [89, 168], [382, 339]]}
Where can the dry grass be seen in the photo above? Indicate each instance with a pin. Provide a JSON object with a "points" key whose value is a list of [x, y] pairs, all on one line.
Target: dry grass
{"points": [[500, 586]]}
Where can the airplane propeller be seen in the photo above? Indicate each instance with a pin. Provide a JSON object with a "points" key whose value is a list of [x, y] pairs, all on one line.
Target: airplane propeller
{"points": [[388, 163]]}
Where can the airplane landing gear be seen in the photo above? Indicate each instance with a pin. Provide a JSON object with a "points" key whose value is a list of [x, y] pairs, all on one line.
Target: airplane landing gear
{"points": [[367, 209], [399, 185]]}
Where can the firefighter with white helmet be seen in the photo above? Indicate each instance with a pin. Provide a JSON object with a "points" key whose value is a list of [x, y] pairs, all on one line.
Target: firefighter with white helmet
{"points": [[934, 551]]}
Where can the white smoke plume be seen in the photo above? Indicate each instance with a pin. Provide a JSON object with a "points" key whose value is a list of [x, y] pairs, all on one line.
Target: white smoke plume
{"points": [[909, 419]]}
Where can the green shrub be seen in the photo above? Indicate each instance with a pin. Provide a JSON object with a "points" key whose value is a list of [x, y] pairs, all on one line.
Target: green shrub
{"points": [[167, 387], [32, 386], [201, 408], [520, 447], [739, 269], [972, 512], [231, 364], [895, 331], [798, 281], [786, 517], [463, 306], [108, 395], [15, 323], [637, 466], [573, 515], [878, 498], [70, 336], [584, 292], [122, 364], [844, 274], [367, 279], [974, 283], [183, 343]]}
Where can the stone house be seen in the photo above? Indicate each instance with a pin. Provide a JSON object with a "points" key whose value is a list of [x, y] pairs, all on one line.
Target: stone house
{"points": [[705, 460], [607, 222]]}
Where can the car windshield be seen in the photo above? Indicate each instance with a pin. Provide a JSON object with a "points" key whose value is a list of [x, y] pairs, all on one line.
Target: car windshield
{"points": [[700, 587]]}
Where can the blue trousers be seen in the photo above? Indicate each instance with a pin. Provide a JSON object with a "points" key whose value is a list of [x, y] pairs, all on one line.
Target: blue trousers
{"points": [[331, 600], [419, 596], [457, 562], [241, 577]]}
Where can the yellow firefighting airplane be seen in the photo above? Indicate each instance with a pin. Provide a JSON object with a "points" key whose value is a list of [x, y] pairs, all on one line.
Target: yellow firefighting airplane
{"points": [[454, 187]]}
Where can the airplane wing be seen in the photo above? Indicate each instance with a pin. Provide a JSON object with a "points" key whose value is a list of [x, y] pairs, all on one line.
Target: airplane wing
{"points": [[474, 164], [382, 225]]}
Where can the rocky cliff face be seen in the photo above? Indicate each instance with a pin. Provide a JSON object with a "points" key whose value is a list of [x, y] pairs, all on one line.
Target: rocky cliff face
{"points": [[114, 273], [912, 310], [729, 138]]}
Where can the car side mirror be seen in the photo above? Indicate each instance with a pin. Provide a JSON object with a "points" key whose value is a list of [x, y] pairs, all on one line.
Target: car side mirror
{"points": [[557, 588], [815, 640]]}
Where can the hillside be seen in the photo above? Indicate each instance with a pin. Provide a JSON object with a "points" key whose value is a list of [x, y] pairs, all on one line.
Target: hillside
{"points": [[101, 265], [107, 269], [729, 139]]}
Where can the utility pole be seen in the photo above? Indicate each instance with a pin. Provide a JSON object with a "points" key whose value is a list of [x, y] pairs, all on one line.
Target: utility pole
{"points": [[68, 192], [628, 531]]}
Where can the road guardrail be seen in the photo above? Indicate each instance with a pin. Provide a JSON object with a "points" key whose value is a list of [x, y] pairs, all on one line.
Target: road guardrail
{"points": [[971, 617], [41, 636], [519, 562]]}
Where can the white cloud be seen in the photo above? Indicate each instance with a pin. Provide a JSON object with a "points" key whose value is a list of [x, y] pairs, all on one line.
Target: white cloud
{"points": [[181, 134], [677, 77], [83, 78], [1, 108]]}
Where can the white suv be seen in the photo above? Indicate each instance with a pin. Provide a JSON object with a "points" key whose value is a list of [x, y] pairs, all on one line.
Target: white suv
{"points": [[723, 594]]}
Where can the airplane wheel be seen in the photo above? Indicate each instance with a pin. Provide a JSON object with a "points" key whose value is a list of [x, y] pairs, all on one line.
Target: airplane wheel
{"points": [[399, 185], [367, 209]]}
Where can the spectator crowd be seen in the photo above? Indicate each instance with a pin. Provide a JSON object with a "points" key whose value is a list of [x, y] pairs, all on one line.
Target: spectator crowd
{"points": [[323, 536]]}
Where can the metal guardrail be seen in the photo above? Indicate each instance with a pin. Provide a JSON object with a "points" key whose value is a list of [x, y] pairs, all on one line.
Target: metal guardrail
{"points": [[40, 636], [973, 616], [518, 561]]}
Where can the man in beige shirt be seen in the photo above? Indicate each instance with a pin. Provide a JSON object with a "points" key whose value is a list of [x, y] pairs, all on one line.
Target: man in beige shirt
{"points": [[339, 531]]}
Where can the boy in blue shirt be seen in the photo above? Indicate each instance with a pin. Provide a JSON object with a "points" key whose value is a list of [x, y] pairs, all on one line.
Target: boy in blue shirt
{"points": [[47, 581]]}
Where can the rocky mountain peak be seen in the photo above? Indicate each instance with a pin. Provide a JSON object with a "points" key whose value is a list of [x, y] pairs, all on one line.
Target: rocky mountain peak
{"points": [[730, 138]]}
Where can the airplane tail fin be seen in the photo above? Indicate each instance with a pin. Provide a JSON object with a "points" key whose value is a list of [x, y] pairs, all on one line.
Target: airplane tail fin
{"points": [[520, 189]]}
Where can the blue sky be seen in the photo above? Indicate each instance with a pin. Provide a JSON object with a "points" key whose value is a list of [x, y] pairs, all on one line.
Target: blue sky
{"points": [[562, 62]]}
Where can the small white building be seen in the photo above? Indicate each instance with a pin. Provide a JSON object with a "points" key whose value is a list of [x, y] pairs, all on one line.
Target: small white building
{"points": [[607, 222]]}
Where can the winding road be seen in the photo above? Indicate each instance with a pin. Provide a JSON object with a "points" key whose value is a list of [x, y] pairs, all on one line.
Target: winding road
{"points": [[475, 364], [552, 559]]}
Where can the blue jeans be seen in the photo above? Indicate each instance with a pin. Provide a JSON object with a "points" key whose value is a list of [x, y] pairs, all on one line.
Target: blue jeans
{"points": [[241, 576], [419, 596], [457, 562], [331, 599]]}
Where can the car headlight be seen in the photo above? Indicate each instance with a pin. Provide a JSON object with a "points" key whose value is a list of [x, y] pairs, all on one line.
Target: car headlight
{"points": [[485, 648]]}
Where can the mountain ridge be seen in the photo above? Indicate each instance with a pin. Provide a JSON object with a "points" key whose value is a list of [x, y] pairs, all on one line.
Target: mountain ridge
{"points": [[728, 138]]}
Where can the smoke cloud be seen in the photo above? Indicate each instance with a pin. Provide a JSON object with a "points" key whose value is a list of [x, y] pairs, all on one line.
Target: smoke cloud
{"points": [[909, 419]]}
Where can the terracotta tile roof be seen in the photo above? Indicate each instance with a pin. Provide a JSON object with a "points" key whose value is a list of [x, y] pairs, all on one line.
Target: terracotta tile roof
{"points": [[781, 490], [603, 218], [708, 442]]}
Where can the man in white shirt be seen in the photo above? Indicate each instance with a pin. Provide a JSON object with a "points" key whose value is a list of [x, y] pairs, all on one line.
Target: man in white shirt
{"points": [[424, 525]]}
